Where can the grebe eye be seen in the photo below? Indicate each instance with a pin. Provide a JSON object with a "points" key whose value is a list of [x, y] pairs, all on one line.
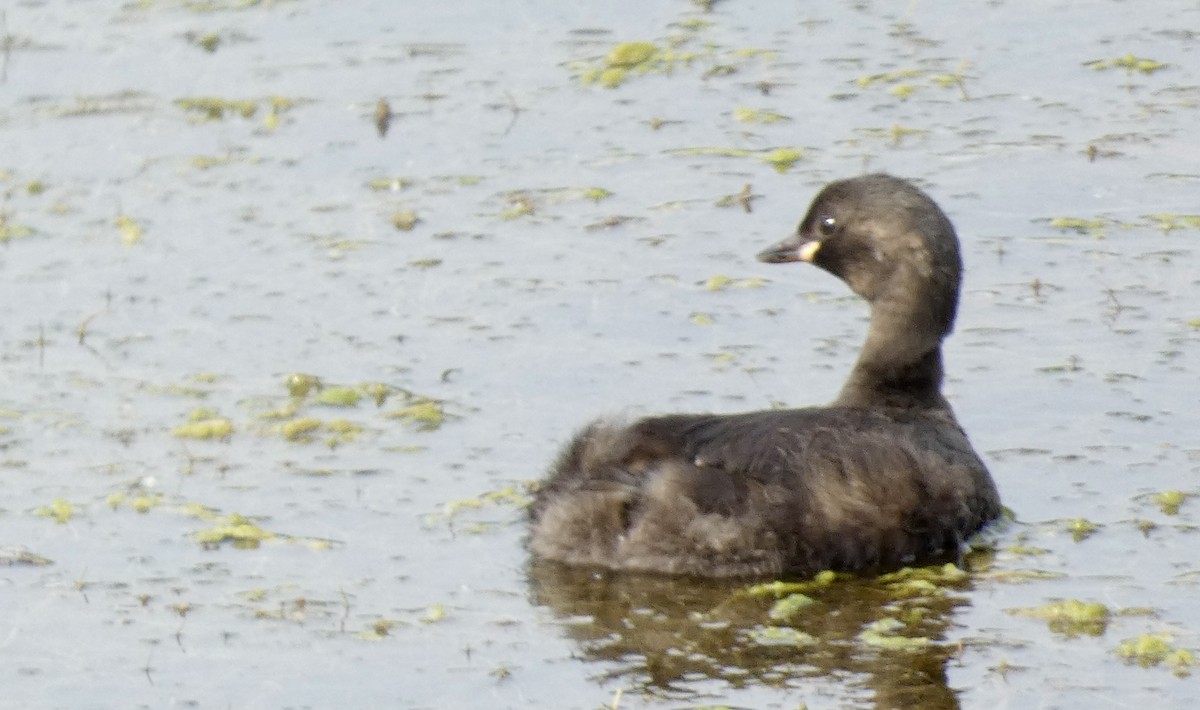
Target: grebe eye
{"points": [[827, 226]]}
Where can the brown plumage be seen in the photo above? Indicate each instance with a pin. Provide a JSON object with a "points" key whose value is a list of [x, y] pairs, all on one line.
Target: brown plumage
{"points": [[882, 477]]}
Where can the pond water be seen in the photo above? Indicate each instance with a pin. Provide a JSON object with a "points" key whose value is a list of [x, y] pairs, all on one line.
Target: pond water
{"points": [[278, 365]]}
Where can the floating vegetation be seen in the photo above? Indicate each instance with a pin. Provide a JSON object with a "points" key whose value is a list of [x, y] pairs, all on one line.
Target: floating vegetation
{"points": [[1172, 222], [701, 318], [780, 636], [12, 556], [237, 530], [611, 222], [391, 184], [10, 231], [62, 511], [904, 83], [141, 504], [892, 77], [211, 108], [1020, 576], [121, 102], [523, 203], [219, 5], [1071, 617], [307, 429], [301, 429], [405, 220], [782, 159], [129, 229], [434, 614], [789, 606], [1095, 227], [208, 42], [779, 589], [720, 282], [1081, 528], [424, 414], [339, 397], [509, 495], [1154, 649], [743, 114], [379, 630], [1169, 501], [895, 134], [885, 634], [640, 57], [637, 58], [929, 581], [300, 384], [743, 198], [1129, 63], [204, 423]]}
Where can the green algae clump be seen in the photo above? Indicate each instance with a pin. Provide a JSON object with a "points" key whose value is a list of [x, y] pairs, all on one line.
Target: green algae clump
{"points": [[425, 414], [301, 429], [1169, 501], [339, 397], [204, 424], [781, 636], [622, 59], [235, 529], [1070, 616], [631, 54], [61, 510], [789, 606], [1154, 649]]}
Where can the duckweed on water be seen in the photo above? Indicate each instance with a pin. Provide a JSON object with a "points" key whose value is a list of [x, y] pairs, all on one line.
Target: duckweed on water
{"points": [[1071, 617]]}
